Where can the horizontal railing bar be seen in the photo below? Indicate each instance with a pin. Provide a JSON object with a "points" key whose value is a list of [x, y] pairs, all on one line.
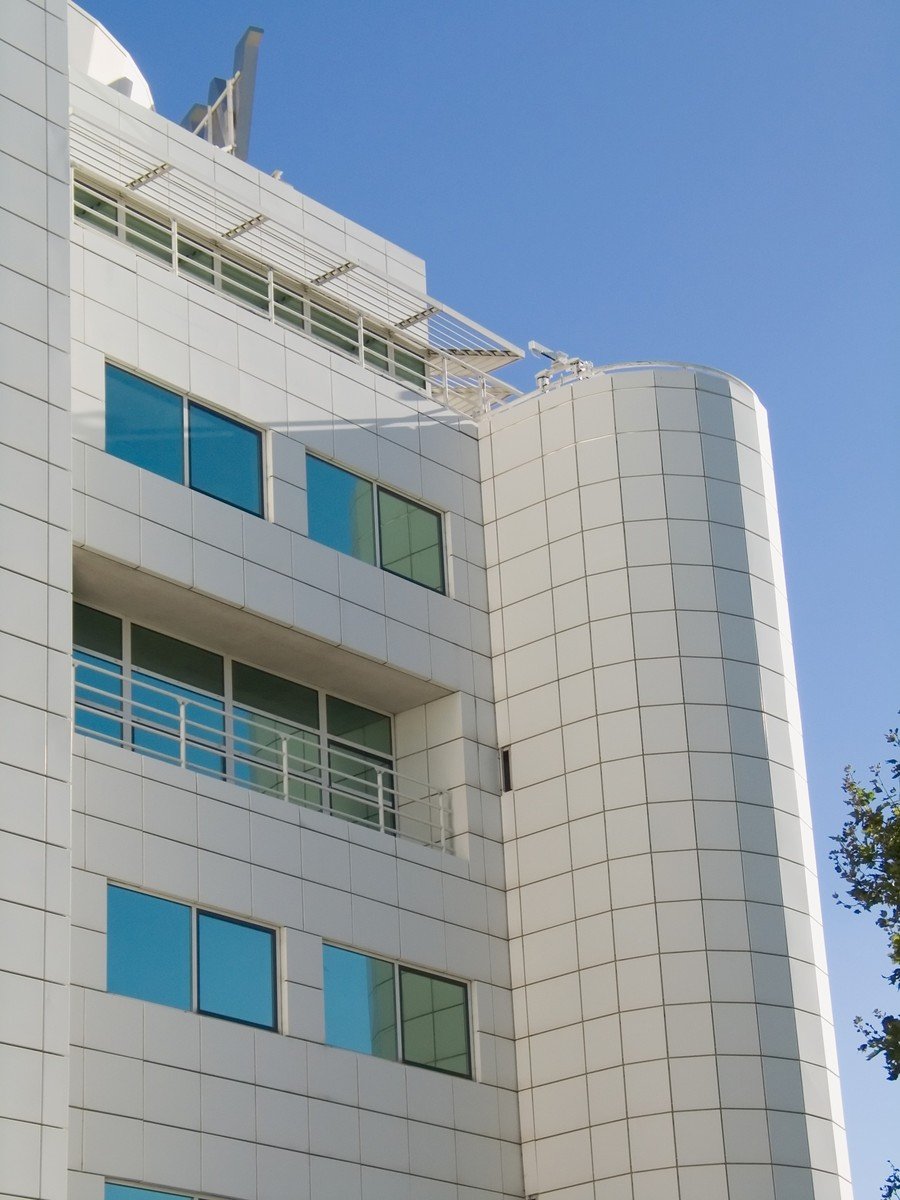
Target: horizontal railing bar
{"points": [[190, 726], [466, 387]]}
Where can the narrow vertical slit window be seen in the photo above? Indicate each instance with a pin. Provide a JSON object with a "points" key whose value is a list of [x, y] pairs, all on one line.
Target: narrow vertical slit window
{"points": [[505, 770]]}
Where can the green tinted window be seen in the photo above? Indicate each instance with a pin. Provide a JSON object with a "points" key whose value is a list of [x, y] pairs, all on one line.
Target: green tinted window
{"points": [[149, 236], [249, 286], [195, 261], [435, 1022], [411, 543], [175, 659], [280, 697], [95, 209], [97, 631], [359, 725]]}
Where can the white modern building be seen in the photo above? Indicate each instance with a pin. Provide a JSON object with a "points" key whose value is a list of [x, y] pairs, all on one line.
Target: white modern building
{"points": [[402, 792]]}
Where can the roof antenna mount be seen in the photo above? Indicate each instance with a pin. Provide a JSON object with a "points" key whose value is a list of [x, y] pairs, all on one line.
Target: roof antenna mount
{"points": [[563, 368], [224, 120]]}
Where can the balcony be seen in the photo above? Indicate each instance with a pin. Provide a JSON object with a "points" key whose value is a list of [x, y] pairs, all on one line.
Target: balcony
{"points": [[166, 720]]}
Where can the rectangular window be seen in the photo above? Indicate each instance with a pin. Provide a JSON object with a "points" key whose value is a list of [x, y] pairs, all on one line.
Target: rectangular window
{"points": [[186, 705], [181, 440], [253, 284], [365, 996], [174, 954], [371, 523], [127, 1191], [97, 638]]}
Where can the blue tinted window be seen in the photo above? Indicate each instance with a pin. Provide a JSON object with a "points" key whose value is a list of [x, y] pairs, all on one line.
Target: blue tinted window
{"points": [[98, 697], [121, 1191], [236, 972], [341, 509], [360, 1008], [177, 724], [144, 424], [148, 948], [225, 459]]}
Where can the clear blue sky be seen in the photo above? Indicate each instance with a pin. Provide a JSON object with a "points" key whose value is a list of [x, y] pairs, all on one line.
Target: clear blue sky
{"points": [[704, 180]]}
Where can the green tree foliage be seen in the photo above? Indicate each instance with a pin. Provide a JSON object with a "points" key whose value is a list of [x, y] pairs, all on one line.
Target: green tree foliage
{"points": [[867, 858], [890, 1189]]}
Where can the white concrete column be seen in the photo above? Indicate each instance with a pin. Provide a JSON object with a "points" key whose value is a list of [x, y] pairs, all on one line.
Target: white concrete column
{"points": [[35, 610]]}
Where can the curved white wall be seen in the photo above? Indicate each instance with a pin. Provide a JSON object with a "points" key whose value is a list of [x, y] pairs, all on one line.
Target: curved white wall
{"points": [[94, 50], [672, 1012]]}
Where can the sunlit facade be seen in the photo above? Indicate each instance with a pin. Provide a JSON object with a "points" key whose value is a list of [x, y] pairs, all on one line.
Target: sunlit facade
{"points": [[403, 791]]}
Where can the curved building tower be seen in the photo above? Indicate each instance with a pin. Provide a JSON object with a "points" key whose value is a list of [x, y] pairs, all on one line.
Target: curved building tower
{"points": [[671, 1003]]}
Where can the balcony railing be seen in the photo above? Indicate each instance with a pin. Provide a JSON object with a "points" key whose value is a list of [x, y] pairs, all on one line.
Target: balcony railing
{"points": [[456, 380], [166, 720]]}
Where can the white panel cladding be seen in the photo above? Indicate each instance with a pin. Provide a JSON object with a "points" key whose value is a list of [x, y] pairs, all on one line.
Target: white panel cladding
{"points": [[178, 1099], [35, 574], [671, 1035]]}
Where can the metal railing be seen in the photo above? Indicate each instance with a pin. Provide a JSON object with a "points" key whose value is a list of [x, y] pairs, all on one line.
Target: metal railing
{"points": [[449, 379], [167, 720]]}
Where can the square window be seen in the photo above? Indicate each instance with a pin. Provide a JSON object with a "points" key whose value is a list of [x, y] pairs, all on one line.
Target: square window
{"points": [[360, 1007], [411, 543], [435, 1022], [236, 970], [144, 424], [148, 948], [225, 459]]}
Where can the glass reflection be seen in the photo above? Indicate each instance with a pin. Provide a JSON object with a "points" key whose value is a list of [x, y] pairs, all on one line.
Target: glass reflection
{"points": [[340, 509], [144, 424], [225, 459], [359, 1003], [148, 948], [236, 970], [435, 1022]]}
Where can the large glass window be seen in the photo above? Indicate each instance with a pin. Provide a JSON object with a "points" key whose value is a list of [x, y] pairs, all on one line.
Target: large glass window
{"points": [[435, 1022], [148, 948], [97, 638], [410, 540], [176, 711], [235, 970], [144, 424], [364, 995], [183, 704], [126, 1191], [158, 949], [159, 430], [359, 1003], [360, 518], [224, 459], [340, 509]]}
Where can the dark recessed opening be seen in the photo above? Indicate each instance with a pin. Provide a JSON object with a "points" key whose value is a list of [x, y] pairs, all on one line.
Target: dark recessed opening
{"points": [[505, 770]]}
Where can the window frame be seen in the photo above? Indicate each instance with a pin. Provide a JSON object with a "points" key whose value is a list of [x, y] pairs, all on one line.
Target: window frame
{"points": [[196, 910], [398, 968], [327, 739], [291, 303], [377, 489], [187, 401]]}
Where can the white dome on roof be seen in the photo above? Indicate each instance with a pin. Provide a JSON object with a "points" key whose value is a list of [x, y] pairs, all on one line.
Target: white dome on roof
{"points": [[94, 50]]}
